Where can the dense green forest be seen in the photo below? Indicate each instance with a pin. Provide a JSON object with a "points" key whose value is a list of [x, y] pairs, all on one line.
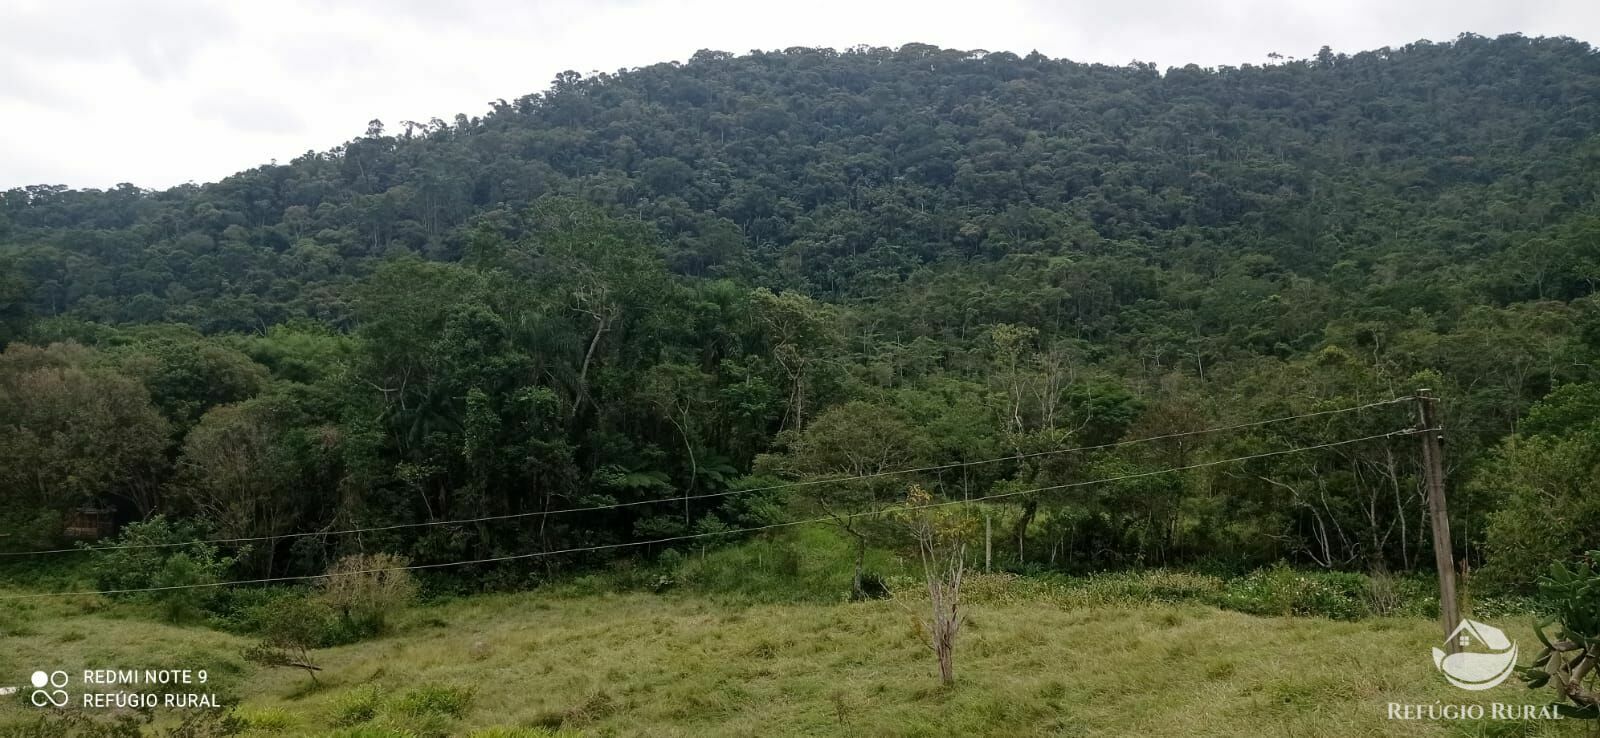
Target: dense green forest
{"points": [[748, 270]]}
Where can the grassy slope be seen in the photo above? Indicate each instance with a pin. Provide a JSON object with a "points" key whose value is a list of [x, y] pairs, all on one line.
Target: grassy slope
{"points": [[641, 664]]}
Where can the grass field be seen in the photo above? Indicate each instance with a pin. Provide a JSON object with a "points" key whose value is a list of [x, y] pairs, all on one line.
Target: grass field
{"points": [[690, 665]]}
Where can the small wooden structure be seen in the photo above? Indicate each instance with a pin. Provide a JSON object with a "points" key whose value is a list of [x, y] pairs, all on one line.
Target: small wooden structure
{"points": [[89, 523]]}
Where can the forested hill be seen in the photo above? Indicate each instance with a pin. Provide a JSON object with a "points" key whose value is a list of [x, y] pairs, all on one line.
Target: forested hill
{"points": [[655, 282], [847, 173]]}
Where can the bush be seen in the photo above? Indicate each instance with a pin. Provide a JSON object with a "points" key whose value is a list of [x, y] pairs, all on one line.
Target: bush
{"points": [[364, 589], [1281, 590], [1566, 664], [239, 609], [1384, 597], [290, 628], [188, 587], [145, 556], [873, 587], [450, 701], [357, 706]]}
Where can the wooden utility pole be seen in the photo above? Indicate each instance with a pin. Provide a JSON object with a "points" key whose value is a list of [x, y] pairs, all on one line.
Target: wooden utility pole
{"points": [[1433, 472], [988, 540]]}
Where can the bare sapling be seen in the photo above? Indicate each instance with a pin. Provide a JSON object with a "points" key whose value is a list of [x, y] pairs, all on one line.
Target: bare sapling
{"points": [[942, 549]]}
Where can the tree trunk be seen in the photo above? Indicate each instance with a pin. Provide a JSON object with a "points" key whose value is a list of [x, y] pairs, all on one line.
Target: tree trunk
{"points": [[947, 666], [988, 545], [858, 585], [582, 393], [1029, 510]]}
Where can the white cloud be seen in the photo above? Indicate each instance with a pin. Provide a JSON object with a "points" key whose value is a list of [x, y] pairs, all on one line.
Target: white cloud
{"points": [[162, 92]]}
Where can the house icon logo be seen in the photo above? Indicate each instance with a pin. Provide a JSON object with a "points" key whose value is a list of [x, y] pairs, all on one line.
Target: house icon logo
{"points": [[1489, 663]]}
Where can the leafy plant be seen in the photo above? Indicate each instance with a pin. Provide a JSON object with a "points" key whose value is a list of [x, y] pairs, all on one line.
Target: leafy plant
{"points": [[1567, 661], [160, 554], [291, 627]]}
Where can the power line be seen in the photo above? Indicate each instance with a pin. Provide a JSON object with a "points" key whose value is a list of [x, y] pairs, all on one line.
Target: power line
{"points": [[693, 536], [709, 495]]}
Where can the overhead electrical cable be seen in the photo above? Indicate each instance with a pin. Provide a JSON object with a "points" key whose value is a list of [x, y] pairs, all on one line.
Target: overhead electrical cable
{"points": [[707, 495], [733, 531]]}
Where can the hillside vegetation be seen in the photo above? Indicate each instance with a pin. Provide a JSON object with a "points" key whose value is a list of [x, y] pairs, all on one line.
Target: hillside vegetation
{"points": [[651, 288]]}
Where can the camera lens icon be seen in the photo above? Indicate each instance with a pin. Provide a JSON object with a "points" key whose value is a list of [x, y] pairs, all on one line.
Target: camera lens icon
{"points": [[56, 697]]}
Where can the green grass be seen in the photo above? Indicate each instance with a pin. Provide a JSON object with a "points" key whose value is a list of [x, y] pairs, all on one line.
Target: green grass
{"points": [[685, 664], [807, 564]]}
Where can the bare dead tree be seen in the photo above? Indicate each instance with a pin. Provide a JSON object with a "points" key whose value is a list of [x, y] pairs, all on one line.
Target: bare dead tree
{"points": [[943, 572], [943, 552]]}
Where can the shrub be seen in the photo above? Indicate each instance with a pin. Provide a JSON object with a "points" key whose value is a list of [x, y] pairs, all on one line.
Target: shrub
{"points": [[145, 556], [1383, 596], [241, 609], [357, 706], [1281, 590], [1414, 595], [364, 589], [1568, 659], [290, 628], [431, 700], [185, 581], [873, 587], [253, 610]]}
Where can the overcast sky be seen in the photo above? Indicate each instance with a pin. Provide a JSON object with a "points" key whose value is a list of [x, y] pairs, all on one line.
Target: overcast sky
{"points": [[157, 93]]}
